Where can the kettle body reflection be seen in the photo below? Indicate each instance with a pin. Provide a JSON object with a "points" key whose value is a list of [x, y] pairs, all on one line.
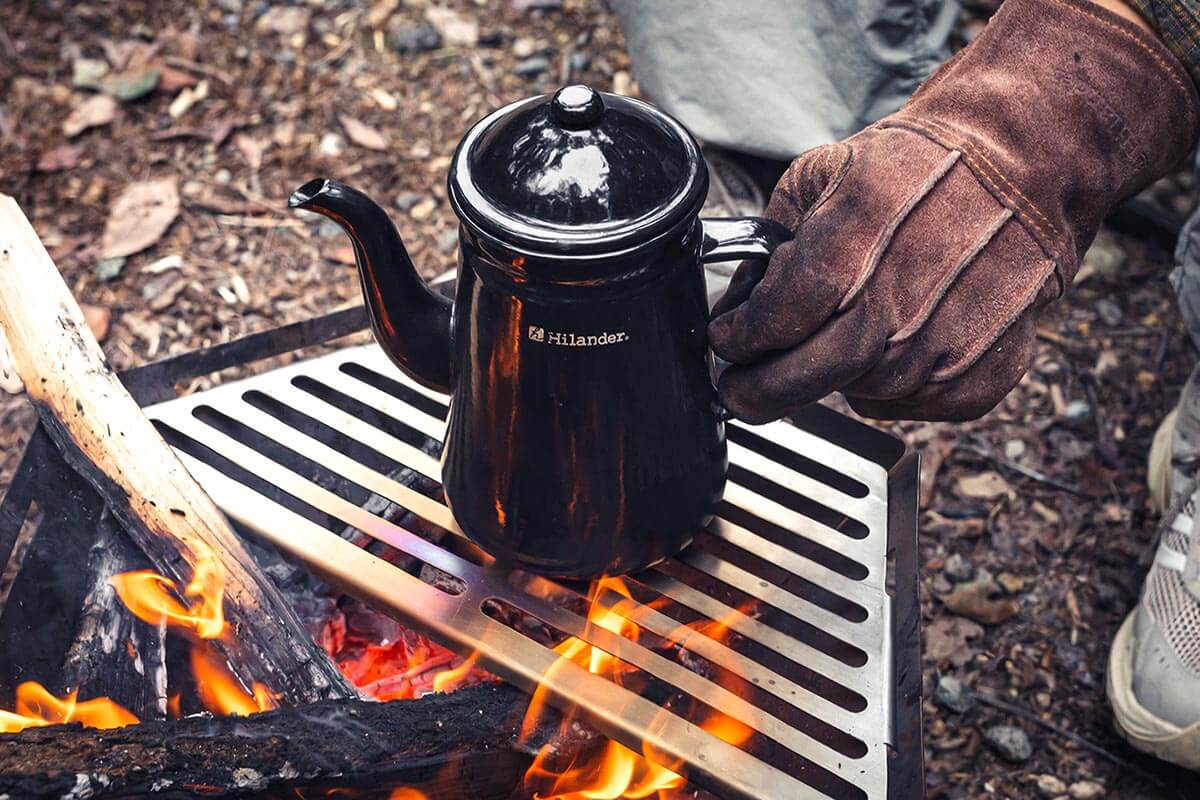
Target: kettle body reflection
{"points": [[585, 435]]}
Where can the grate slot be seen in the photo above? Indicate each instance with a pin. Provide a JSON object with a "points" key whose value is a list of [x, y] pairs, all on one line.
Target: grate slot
{"points": [[791, 572]]}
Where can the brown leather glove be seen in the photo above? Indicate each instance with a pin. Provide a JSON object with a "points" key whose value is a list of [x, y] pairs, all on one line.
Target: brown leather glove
{"points": [[927, 244]]}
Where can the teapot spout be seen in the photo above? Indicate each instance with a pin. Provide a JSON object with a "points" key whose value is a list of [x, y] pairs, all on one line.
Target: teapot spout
{"points": [[410, 321]]}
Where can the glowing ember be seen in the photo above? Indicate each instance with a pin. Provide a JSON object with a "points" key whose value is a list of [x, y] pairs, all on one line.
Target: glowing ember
{"points": [[403, 667], [36, 707]]}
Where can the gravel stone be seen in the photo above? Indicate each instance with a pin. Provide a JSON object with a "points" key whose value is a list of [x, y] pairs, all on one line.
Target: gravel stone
{"points": [[952, 695], [532, 67], [958, 569], [1010, 742]]}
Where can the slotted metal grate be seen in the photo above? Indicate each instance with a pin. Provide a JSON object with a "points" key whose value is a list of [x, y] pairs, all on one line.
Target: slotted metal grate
{"points": [[810, 565]]}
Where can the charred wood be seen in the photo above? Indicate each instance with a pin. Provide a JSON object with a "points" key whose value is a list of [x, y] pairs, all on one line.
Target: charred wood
{"points": [[104, 435], [355, 742], [114, 654]]}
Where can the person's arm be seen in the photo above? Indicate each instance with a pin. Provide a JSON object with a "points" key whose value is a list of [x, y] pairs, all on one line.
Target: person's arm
{"points": [[1127, 11], [927, 245]]}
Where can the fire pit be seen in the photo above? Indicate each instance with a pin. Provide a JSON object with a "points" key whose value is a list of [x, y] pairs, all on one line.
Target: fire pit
{"points": [[776, 658]]}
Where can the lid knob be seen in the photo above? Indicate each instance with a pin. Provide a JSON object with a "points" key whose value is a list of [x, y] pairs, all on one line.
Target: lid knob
{"points": [[576, 107]]}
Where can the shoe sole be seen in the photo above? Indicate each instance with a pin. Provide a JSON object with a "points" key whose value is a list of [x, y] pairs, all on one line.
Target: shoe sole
{"points": [[1141, 728]]}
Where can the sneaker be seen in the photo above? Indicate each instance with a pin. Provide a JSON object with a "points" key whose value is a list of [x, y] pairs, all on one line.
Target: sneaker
{"points": [[1154, 665]]}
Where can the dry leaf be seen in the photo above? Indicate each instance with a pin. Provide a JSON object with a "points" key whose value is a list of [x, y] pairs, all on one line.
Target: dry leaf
{"points": [[984, 486], [947, 640], [456, 28], [139, 217], [99, 109], [250, 149], [64, 156], [973, 600], [363, 135], [343, 254], [98, 319]]}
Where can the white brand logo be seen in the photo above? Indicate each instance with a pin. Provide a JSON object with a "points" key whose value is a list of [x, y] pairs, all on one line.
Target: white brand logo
{"points": [[560, 339]]}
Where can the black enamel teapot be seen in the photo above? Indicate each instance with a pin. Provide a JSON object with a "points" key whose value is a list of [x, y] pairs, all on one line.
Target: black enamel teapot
{"points": [[585, 435]]}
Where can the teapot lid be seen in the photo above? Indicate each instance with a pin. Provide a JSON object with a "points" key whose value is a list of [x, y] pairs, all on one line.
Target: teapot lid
{"points": [[581, 172]]}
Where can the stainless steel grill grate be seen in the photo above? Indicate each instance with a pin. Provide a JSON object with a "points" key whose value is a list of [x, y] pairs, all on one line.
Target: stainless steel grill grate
{"points": [[797, 566]]}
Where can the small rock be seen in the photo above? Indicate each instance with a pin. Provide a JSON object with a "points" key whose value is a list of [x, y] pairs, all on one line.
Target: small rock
{"points": [[532, 67], [958, 569], [1106, 256], [524, 47], [1014, 449], [1086, 790], [952, 695], [1110, 313], [131, 85], [331, 145], [328, 229], [406, 200], [580, 61], [87, 73], [540, 5], [1010, 742], [447, 240], [1077, 412], [423, 209], [109, 269], [413, 38], [1050, 786]]}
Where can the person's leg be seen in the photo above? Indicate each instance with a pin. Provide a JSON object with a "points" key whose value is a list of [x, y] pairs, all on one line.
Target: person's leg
{"points": [[776, 77]]}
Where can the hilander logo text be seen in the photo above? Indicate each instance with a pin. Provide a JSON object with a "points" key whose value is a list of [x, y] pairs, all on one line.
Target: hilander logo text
{"points": [[560, 339]]}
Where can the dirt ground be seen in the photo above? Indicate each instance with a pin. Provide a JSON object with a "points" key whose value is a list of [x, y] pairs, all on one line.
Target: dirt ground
{"points": [[1039, 509]]}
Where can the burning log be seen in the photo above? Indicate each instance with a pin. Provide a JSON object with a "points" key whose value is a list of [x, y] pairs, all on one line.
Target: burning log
{"points": [[114, 654], [104, 435], [403, 742]]}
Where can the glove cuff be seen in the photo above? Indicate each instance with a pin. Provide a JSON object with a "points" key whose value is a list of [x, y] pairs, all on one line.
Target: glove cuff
{"points": [[1062, 109]]}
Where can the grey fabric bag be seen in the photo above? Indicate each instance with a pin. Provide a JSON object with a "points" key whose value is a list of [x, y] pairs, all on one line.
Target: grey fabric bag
{"points": [[776, 77]]}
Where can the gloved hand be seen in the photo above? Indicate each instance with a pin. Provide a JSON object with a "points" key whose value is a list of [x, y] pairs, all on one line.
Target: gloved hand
{"points": [[927, 244]]}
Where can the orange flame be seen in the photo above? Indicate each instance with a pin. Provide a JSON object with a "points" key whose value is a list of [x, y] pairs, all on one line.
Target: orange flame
{"points": [[407, 793], [616, 772], [220, 690], [448, 679], [152, 597], [36, 707]]}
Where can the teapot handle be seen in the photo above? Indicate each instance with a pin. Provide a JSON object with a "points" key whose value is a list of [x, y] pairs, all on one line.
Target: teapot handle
{"points": [[735, 238]]}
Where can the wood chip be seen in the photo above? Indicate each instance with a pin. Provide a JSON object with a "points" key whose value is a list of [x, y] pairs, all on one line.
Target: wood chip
{"points": [[362, 134], [60, 158], [98, 319], [983, 486], [456, 29]]}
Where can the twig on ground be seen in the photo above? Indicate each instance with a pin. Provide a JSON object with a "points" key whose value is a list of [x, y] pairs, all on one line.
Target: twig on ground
{"points": [[1086, 744], [1024, 471]]}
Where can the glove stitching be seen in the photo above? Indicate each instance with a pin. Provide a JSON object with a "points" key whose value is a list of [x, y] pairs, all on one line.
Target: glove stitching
{"points": [[888, 233], [939, 292], [975, 353], [936, 131]]}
